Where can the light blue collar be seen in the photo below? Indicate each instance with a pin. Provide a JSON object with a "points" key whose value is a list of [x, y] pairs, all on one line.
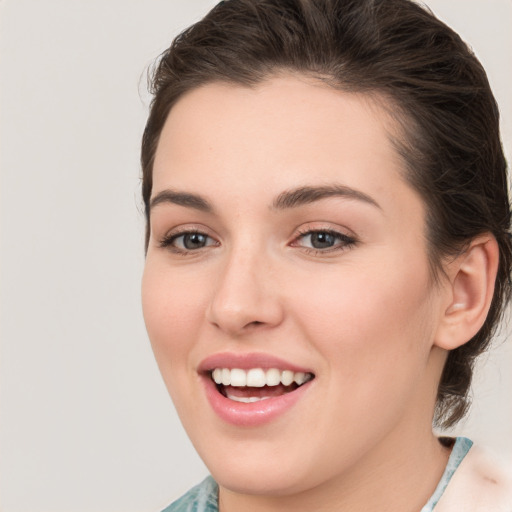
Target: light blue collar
{"points": [[459, 451]]}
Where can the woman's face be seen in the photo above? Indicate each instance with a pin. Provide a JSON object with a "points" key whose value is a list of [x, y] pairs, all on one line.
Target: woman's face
{"points": [[285, 244]]}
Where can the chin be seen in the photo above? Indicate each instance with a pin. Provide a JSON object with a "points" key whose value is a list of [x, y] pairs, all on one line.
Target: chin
{"points": [[255, 480], [270, 467]]}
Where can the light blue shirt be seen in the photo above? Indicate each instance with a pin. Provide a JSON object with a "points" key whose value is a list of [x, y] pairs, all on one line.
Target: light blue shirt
{"points": [[204, 497], [459, 451]]}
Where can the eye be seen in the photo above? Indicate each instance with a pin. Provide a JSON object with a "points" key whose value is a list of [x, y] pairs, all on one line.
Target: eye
{"points": [[320, 239], [323, 240], [187, 241]]}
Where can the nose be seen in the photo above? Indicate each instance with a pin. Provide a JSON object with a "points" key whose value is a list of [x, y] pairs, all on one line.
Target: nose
{"points": [[246, 295]]}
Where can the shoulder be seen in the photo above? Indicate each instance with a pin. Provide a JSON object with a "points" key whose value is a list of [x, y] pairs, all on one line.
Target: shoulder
{"points": [[201, 498], [481, 483]]}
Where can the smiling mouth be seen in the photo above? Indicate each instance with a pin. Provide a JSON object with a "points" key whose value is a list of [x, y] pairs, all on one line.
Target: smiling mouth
{"points": [[257, 384]]}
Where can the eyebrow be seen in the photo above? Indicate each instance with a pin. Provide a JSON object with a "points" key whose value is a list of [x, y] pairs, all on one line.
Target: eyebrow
{"points": [[182, 199], [287, 199], [306, 195]]}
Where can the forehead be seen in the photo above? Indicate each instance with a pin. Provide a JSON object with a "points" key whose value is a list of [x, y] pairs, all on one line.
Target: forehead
{"points": [[294, 106], [285, 132]]}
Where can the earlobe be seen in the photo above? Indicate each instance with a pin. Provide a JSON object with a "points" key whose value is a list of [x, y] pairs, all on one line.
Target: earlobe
{"points": [[471, 286]]}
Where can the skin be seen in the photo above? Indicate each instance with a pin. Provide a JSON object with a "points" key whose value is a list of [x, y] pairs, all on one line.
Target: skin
{"points": [[365, 317]]}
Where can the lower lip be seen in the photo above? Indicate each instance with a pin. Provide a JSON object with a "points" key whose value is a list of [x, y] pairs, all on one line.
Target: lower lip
{"points": [[251, 414]]}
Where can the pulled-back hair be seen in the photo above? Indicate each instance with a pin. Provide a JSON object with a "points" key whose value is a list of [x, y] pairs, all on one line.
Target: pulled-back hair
{"points": [[434, 87]]}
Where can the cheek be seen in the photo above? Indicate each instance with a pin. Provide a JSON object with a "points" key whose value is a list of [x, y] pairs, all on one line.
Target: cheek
{"points": [[371, 323], [371, 331], [172, 309]]}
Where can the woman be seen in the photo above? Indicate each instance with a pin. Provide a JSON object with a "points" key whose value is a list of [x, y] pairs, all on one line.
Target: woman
{"points": [[328, 251]]}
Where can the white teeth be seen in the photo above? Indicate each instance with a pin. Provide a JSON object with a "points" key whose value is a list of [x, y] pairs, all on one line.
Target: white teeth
{"points": [[217, 375], [226, 376], [287, 377], [257, 377], [247, 399], [238, 377], [299, 377], [273, 377]]}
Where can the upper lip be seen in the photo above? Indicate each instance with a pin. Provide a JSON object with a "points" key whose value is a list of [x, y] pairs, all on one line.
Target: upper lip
{"points": [[246, 361]]}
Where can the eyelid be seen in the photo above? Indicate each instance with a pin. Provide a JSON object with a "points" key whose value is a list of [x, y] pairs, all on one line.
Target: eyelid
{"points": [[167, 239], [347, 237], [188, 228], [329, 227]]}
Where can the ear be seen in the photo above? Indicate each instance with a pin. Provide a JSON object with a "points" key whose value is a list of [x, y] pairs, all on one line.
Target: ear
{"points": [[469, 291]]}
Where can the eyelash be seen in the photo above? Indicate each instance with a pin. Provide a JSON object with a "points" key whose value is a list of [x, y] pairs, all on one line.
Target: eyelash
{"points": [[169, 240], [343, 241]]}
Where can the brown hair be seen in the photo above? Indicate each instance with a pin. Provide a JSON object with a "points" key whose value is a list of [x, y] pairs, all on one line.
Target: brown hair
{"points": [[395, 48]]}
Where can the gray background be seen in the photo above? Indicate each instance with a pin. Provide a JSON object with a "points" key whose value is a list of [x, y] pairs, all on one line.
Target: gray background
{"points": [[85, 421]]}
